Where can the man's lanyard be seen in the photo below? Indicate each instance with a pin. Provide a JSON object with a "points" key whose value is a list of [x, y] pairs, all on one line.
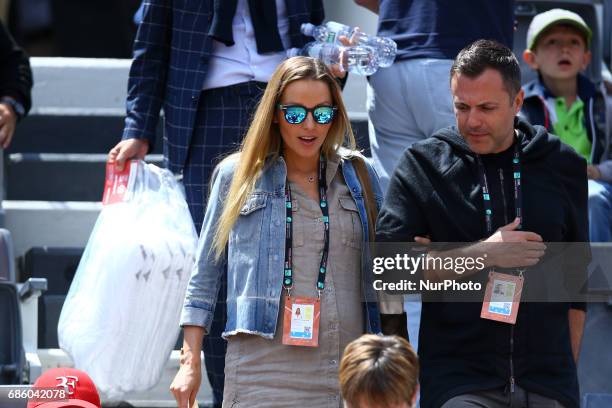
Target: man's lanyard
{"points": [[486, 194], [503, 292], [288, 279]]}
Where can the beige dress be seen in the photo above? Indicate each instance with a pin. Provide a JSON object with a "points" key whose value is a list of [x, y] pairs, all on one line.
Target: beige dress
{"points": [[266, 373]]}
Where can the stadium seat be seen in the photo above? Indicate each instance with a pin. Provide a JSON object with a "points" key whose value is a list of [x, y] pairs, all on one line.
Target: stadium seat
{"points": [[57, 266], [18, 353], [7, 261], [11, 350]]}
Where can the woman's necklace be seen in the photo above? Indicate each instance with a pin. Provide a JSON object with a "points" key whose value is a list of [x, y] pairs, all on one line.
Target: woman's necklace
{"points": [[311, 178]]}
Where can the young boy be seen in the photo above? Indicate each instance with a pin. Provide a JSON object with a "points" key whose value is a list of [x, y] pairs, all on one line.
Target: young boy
{"points": [[379, 372], [568, 104]]}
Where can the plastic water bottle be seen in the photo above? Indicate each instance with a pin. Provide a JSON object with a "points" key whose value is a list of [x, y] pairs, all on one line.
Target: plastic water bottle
{"points": [[358, 59], [328, 32], [386, 48]]}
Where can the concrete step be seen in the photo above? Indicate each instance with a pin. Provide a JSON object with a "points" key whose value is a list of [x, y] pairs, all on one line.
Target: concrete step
{"points": [[66, 130], [49, 223], [58, 176], [62, 158], [69, 130]]}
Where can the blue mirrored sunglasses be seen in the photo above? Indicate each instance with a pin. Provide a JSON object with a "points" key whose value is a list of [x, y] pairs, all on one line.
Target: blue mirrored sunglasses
{"points": [[296, 114]]}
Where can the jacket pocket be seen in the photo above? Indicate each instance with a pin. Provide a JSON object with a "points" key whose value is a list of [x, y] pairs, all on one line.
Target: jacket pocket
{"points": [[255, 202], [249, 225], [350, 223]]}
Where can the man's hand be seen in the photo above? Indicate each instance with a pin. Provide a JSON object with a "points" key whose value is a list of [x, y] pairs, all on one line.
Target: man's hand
{"points": [[593, 172], [126, 150], [8, 122], [337, 70], [508, 248], [422, 240], [187, 381]]}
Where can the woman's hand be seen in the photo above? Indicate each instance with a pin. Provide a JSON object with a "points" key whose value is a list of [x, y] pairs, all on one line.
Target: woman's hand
{"points": [[186, 383]]}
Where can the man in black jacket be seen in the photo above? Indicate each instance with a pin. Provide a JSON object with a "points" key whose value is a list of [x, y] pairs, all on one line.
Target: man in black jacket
{"points": [[15, 86], [492, 178]]}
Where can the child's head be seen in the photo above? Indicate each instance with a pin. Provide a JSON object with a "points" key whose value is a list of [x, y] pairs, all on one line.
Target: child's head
{"points": [[379, 372], [74, 387], [558, 44]]}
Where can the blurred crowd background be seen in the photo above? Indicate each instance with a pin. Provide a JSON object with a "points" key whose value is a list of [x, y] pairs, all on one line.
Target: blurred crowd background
{"points": [[72, 28]]}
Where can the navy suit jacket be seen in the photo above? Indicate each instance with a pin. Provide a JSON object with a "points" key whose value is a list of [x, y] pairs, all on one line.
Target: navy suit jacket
{"points": [[171, 53]]}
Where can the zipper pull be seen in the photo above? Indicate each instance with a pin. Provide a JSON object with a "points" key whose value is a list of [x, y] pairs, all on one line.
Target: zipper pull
{"points": [[511, 384]]}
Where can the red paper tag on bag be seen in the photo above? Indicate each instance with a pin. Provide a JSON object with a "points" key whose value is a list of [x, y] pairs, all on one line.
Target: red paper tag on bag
{"points": [[117, 183]]}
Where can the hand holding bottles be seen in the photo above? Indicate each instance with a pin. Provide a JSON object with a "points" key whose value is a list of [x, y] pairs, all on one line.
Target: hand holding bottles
{"points": [[385, 49], [357, 59]]}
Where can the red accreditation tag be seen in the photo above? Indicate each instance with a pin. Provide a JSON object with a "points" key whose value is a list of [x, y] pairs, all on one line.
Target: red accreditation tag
{"points": [[502, 297], [117, 183], [301, 321]]}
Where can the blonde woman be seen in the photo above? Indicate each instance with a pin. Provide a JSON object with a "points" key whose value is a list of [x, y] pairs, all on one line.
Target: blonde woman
{"points": [[289, 219]]}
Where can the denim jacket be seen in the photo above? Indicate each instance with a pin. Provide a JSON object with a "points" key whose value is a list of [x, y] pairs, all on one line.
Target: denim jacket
{"points": [[256, 251]]}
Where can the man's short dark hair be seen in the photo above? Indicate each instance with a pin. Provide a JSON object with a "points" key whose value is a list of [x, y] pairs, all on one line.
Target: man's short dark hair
{"points": [[480, 55]]}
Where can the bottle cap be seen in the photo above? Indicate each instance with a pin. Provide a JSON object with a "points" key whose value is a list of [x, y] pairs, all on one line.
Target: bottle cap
{"points": [[307, 29]]}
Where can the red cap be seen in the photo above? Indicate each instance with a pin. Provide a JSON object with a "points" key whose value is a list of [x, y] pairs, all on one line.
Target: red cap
{"points": [[81, 391]]}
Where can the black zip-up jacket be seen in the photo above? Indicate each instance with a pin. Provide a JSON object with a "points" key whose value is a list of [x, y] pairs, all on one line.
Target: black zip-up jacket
{"points": [[435, 191]]}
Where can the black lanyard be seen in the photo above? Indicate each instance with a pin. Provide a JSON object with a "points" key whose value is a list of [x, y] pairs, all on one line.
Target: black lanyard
{"points": [[486, 195], [288, 278]]}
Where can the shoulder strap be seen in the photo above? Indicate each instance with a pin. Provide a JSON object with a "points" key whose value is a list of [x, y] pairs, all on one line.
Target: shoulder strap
{"points": [[363, 175]]}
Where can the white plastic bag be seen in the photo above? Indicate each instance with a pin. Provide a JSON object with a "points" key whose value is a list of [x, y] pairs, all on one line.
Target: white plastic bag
{"points": [[120, 319]]}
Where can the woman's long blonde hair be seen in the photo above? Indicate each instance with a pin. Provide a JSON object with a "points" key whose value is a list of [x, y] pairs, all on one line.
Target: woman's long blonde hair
{"points": [[263, 139]]}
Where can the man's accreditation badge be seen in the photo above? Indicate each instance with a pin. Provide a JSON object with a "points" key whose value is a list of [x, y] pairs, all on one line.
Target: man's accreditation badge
{"points": [[502, 297], [301, 321]]}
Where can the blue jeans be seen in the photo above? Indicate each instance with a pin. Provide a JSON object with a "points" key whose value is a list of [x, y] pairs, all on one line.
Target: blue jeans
{"points": [[600, 211], [407, 102]]}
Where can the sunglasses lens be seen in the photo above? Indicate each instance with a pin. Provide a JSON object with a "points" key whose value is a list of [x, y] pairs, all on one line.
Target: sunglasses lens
{"points": [[324, 114], [295, 114]]}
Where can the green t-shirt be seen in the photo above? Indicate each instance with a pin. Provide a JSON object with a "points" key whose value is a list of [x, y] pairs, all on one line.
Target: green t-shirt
{"points": [[570, 127]]}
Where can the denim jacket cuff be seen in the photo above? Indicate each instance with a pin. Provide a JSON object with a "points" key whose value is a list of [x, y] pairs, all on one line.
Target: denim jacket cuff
{"points": [[197, 316]]}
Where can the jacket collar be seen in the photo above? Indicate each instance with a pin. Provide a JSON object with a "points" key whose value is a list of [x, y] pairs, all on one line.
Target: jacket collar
{"points": [[537, 88]]}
